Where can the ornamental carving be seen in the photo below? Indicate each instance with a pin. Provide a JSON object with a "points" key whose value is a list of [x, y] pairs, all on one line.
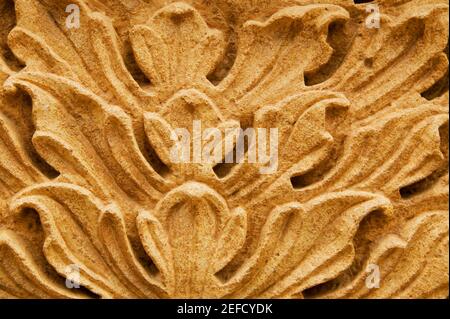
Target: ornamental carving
{"points": [[92, 203]]}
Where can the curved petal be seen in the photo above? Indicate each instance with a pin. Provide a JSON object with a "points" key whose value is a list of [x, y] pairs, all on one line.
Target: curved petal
{"points": [[277, 239], [183, 237], [8, 19], [301, 120], [160, 135], [195, 113], [176, 49], [188, 105], [113, 235], [157, 245]]}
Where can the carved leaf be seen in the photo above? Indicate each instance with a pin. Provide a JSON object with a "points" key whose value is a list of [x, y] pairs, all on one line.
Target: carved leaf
{"points": [[81, 231], [180, 112], [414, 258], [61, 112], [176, 49], [411, 154], [88, 116], [404, 55], [89, 55], [274, 55], [191, 236], [16, 168], [22, 276], [299, 257]]}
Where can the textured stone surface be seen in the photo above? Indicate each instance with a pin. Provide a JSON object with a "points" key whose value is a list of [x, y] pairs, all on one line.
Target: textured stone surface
{"points": [[85, 177]]}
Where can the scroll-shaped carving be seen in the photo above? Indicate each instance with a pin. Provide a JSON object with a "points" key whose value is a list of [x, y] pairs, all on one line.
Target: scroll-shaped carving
{"points": [[87, 181]]}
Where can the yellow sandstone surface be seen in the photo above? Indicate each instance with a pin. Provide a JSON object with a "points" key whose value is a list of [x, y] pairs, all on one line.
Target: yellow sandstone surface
{"points": [[91, 92]]}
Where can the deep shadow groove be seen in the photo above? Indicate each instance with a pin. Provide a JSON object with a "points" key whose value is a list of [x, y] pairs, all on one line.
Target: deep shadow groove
{"points": [[362, 1], [223, 68], [306, 179], [29, 220], [133, 67], [223, 169], [420, 186], [153, 159], [224, 275], [362, 241], [426, 183], [145, 261], [340, 37], [440, 87], [81, 289], [7, 23]]}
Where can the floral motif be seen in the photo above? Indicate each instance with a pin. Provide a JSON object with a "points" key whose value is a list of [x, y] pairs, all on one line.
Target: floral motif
{"points": [[86, 179]]}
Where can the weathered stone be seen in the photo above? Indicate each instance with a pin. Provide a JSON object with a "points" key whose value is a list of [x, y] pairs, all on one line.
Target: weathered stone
{"points": [[89, 195]]}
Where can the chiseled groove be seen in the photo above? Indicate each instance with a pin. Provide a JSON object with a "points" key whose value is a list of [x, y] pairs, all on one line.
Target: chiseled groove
{"points": [[390, 143]]}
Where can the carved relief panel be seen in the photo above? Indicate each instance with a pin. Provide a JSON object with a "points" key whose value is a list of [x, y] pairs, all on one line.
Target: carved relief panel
{"points": [[93, 204]]}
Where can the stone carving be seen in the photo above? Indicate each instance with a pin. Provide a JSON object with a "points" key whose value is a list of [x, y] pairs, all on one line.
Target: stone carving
{"points": [[86, 179]]}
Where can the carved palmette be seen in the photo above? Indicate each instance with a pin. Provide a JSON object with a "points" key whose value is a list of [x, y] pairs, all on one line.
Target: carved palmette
{"points": [[91, 203]]}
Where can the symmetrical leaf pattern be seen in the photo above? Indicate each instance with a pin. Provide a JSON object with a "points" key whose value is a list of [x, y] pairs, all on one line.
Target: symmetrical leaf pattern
{"points": [[87, 117]]}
